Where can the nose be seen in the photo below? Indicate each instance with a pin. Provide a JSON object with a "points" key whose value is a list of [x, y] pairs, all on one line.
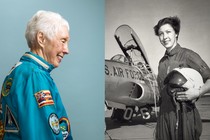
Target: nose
{"points": [[66, 49], [165, 35]]}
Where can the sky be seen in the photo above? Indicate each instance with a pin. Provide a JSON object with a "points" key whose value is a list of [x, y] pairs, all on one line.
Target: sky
{"points": [[143, 15]]}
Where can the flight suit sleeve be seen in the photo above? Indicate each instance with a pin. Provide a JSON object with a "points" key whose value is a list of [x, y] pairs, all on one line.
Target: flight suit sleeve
{"points": [[65, 126], [37, 109], [196, 62]]}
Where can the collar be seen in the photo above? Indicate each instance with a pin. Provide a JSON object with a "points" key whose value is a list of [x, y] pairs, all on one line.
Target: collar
{"points": [[173, 51], [39, 60]]}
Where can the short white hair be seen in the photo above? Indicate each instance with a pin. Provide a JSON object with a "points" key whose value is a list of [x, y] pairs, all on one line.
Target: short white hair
{"points": [[44, 21]]}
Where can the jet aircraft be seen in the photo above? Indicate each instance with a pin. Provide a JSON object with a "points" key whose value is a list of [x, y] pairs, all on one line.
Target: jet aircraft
{"points": [[130, 84]]}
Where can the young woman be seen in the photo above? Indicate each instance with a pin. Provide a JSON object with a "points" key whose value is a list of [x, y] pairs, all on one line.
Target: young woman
{"points": [[167, 29]]}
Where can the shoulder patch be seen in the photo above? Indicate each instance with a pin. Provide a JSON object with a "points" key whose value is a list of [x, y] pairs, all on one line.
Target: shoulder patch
{"points": [[10, 124], [6, 87], [54, 123], [44, 98]]}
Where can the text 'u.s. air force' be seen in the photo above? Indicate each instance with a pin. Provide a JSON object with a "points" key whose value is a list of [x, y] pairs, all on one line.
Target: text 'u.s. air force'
{"points": [[123, 72]]}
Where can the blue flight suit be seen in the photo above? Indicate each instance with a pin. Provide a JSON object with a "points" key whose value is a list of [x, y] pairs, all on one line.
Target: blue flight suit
{"points": [[31, 105]]}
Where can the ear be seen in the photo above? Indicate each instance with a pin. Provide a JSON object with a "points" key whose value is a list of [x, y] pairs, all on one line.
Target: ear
{"points": [[40, 39]]}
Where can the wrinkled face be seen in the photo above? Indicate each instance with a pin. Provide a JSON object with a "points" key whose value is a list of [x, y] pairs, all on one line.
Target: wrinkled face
{"points": [[55, 49], [167, 36]]}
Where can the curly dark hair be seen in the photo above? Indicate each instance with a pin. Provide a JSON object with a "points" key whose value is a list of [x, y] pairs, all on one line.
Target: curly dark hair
{"points": [[173, 21]]}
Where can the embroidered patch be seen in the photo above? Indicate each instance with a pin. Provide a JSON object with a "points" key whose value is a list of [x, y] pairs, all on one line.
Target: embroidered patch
{"points": [[64, 127], [10, 122], [66, 122], [65, 134], [44, 98], [6, 87], [54, 123]]}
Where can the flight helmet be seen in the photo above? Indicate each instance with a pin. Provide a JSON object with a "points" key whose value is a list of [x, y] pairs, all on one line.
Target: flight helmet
{"points": [[181, 79]]}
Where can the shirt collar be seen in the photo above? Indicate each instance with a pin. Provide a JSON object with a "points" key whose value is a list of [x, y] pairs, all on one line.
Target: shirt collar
{"points": [[173, 51], [39, 60]]}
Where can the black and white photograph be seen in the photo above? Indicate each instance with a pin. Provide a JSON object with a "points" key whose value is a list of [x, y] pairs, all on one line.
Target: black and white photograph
{"points": [[157, 75]]}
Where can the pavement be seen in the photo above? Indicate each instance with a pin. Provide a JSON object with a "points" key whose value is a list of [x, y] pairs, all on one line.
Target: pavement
{"points": [[139, 129]]}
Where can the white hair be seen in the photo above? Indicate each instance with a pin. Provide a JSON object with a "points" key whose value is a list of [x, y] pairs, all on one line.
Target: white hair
{"points": [[44, 21]]}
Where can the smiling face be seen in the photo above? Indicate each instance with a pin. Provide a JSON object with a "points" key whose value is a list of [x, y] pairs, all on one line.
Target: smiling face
{"points": [[53, 50], [167, 36]]}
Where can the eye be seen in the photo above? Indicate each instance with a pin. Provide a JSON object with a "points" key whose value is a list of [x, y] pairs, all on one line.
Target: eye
{"points": [[160, 33], [63, 40]]}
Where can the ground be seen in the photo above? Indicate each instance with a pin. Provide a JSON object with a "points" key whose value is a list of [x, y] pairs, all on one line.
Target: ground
{"points": [[139, 129]]}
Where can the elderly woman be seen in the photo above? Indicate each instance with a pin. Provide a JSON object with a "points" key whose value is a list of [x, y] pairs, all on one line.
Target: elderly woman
{"points": [[167, 29], [31, 105]]}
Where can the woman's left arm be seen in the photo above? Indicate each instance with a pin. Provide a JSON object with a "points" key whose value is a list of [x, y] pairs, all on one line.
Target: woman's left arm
{"points": [[205, 88], [196, 62]]}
